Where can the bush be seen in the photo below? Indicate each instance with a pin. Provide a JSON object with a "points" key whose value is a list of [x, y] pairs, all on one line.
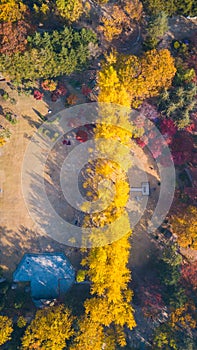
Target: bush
{"points": [[12, 119], [2, 141], [81, 276], [13, 101], [49, 85], [5, 134], [71, 100], [27, 92], [38, 95], [176, 45], [5, 96], [21, 322]]}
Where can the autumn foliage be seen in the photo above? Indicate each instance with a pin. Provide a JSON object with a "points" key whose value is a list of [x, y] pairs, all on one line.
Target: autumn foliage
{"points": [[12, 10], [71, 10], [57, 89], [181, 148], [50, 329], [152, 301], [113, 25], [138, 78], [38, 95], [49, 85], [85, 90], [6, 329], [184, 316], [72, 99], [133, 8], [13, 36], [184, 225], [106, 263], [118, 18], [189, 275]]}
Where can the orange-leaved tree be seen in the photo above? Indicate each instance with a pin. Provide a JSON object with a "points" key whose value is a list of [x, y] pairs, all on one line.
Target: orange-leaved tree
{"points": [[185, 226], [133, 8], [133, 79], [13, 36]]}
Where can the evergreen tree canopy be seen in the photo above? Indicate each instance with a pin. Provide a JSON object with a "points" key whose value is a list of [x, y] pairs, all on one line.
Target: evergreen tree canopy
{"points": [[49, 55]]}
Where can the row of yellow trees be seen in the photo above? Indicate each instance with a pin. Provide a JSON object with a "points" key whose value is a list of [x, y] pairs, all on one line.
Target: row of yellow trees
{"points": [[123, 80], [110, 309]]}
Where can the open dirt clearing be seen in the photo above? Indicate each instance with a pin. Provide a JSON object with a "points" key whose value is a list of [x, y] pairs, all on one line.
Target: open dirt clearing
{"points": [[17, 230]]}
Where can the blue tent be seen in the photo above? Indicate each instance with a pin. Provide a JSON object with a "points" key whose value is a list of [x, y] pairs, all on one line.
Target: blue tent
{"points": [[50, 274]]}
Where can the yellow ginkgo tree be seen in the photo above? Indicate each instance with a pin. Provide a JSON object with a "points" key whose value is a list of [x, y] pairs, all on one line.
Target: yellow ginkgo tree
{"points": [[12, 10], [70, 10], [6, 329], [124, 81], [106, 261], [136, 78], [50, 329]]}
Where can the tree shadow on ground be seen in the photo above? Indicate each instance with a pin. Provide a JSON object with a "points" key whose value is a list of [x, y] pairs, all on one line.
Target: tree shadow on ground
{"points": [[14, 244], [31, 122]]}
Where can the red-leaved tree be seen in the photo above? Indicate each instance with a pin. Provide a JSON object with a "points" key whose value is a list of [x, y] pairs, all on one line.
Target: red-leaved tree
{"points": [[152, 302], [181, 147], [38, 95], [189, 275]]}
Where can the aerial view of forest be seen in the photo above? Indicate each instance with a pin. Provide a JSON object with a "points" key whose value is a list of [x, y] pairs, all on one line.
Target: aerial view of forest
{"points": [[98, 174]]}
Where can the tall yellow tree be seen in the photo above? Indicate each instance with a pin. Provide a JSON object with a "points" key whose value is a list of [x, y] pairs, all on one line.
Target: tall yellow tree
{"points": [[6, 329], [90, 335], [71, 10], [111, 88], [49, 330], [106, 265], [93, 335], [132, 79], [12, 10], [145, 77]]}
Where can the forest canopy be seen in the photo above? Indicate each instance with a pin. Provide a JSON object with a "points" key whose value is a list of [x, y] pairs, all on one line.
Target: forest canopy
{"points": [[49, 55], [171, 7]]}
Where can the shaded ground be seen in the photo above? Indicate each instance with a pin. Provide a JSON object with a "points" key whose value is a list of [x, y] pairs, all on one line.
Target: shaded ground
{"points": [[179, 28]]}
